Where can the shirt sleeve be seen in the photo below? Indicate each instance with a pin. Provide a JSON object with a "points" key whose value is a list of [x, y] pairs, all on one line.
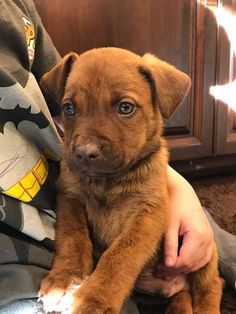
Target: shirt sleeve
{"points": [[46, 55]]}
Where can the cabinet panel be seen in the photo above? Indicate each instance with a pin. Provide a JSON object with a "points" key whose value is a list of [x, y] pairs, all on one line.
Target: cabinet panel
{"points": [[181, 32], [200, 140]]}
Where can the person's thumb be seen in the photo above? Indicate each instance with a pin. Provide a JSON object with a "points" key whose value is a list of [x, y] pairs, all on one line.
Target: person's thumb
{"points": [[171, 245]]}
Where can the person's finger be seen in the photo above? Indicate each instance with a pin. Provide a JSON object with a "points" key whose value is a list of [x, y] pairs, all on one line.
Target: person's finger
{"points": [[190, 252], [171, 245], [185, 261], [194, 253], [184, 266]]}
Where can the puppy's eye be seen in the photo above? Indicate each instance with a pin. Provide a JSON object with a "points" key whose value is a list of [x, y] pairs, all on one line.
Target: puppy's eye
{"points": [[69, 109], [125, 108]]}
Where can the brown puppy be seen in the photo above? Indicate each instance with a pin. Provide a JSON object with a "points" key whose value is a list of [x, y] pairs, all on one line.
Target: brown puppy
{"points": [[113, 197]]}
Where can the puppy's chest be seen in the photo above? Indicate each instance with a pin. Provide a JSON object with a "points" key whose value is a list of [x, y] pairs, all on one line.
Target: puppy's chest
{"points": [[107, 217]]}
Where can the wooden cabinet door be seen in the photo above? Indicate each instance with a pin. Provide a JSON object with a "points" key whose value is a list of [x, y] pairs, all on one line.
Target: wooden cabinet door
{"points": [[195, 140], [181, 32]]}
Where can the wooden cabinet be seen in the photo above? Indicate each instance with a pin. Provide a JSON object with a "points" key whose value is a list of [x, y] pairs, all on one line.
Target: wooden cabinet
{"points": [[184, 33]]}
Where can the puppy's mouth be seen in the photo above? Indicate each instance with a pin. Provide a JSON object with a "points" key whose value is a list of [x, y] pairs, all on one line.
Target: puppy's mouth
{"points": [[91, 172], [102, 174]]}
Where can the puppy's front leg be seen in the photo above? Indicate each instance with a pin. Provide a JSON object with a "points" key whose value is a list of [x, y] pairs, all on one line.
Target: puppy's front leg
{"points": [[118, 268], [73, 260]]}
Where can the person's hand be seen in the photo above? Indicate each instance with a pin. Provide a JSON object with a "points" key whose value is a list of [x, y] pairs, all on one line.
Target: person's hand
{"points": [[188, 221]]}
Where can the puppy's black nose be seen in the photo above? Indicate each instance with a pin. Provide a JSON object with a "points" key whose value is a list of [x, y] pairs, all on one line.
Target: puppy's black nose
{"points": [[88, 152]]}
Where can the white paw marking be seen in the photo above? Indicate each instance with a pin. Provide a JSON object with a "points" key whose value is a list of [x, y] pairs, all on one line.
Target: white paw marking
{"points": [[58, 301]]}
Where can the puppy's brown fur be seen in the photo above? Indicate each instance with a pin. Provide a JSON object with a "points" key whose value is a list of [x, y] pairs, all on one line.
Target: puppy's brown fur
{"points": [[113, 196]]}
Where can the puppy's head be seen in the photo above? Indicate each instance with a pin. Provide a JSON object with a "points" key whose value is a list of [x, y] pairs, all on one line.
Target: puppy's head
{"points": [[112, 101]]}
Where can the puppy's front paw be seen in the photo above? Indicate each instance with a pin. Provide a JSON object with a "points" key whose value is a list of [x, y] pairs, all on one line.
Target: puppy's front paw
{"points": [[57, 292], [93, 306], [94, 299]]}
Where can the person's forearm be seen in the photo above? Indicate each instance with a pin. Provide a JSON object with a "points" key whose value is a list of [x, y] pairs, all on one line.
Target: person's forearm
{"points": [[181, 190]]}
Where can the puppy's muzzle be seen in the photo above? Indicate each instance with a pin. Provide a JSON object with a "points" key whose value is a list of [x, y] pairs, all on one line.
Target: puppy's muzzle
{"points": [[89, 158], [94, 157], [88, 153]]}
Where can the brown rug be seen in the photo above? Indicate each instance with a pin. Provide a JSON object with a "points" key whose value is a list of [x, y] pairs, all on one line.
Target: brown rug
{"points": [[218, 195]]}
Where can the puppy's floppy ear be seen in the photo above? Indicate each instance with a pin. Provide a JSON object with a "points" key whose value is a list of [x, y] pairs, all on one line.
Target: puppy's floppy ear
{"points": [[172, 85], [54, 81]]}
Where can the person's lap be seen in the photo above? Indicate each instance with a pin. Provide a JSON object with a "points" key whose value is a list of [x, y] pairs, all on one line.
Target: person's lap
{"points": [[24, 264], [31, 306]]}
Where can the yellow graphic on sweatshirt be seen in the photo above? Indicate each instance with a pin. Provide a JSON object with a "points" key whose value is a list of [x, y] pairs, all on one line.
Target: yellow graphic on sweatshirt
{"points": [[30, 37], [26, 189]]}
